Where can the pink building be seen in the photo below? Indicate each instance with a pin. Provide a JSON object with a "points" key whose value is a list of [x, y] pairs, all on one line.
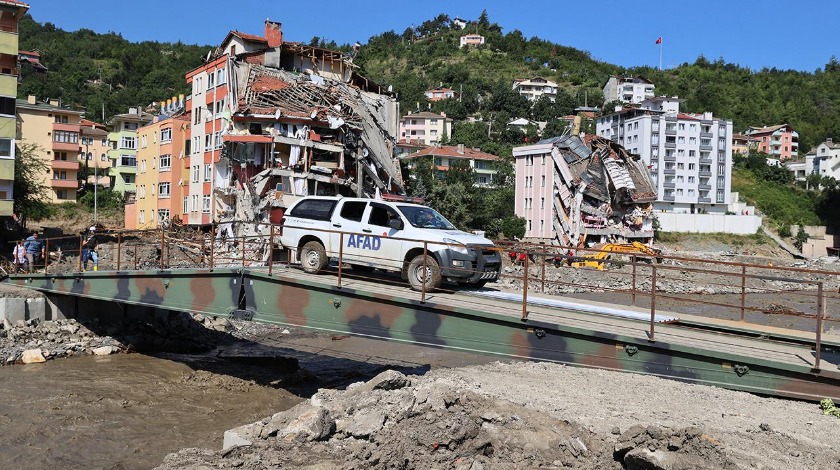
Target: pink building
{"points": [[425, 128], [441, 93], [780, 141]]}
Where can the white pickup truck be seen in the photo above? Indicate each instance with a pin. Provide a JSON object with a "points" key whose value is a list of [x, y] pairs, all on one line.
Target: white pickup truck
{"points": [[387, 235]]}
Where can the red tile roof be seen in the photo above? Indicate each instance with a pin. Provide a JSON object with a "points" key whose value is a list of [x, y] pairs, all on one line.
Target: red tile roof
{"points": [[452, 152], [265, 83], [249, 37]]}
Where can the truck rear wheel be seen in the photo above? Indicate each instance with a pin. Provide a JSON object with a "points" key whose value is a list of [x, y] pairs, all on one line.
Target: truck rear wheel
{"points": [[417, 277], [313, 257]]}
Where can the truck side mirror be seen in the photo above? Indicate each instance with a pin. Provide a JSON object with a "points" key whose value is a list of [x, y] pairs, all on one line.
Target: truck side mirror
{"points": [[395, 224]]}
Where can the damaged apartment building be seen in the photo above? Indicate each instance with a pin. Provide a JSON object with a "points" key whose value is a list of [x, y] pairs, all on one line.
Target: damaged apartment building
{"points": [[578, 191], [273, 121]]}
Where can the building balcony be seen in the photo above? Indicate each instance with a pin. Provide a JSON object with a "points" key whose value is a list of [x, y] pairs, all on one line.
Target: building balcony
{"points": [[8, 85], [8, 41], [57, 126], [671, 118], [668, 197], [65, 146], [707, 135], [66, 184], [775, 142], [6, 207], [706, 200], [704, 187], [670, 132], [706, 122], [670, 145], [64, 165], [669, 171], [668, 185], [707, 173], [706, 161], [670, 158], [707, 148]]}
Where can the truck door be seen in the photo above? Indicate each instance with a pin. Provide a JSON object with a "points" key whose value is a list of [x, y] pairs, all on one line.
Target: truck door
{"points": [[379, 244], [348, 219]]}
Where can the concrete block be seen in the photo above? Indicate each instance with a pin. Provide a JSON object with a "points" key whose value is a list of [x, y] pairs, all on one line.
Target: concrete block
{"points": [[12, 309], [36, 308], [233, 439]]}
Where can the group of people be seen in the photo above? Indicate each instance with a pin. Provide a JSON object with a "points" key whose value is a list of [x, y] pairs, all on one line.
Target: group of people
{"points": [[29, 253]]}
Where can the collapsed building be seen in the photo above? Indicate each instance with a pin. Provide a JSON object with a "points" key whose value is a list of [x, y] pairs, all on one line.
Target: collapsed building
{"points": [[576, 191], [292, 120]]}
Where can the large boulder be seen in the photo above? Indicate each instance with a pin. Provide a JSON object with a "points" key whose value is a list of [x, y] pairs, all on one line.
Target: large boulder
{"points": [[32, 356]]}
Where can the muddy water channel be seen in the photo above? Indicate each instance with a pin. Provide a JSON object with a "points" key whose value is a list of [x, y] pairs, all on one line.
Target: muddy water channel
{"points": [[120, 411]]}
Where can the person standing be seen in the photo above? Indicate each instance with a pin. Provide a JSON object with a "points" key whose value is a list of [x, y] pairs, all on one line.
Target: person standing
{"points": [[19, 256], [34, 251], [89, 250]]}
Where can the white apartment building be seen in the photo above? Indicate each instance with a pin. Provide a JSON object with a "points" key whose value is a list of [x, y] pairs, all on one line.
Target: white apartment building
{"points": [[689, 155], [425, 128], [632, 90], [534, 88], [823, 160]]}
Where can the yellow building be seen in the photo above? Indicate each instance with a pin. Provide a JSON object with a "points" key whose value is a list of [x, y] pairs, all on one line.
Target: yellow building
{"points": [[11, 11], [55, 132]]}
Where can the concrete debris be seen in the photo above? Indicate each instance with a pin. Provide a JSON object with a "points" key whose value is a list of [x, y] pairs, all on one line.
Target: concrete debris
{"points": [[602, 192]]}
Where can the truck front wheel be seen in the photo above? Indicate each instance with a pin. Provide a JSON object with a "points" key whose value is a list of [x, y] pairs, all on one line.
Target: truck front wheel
{"points": [[417, 277], [313, 257]]}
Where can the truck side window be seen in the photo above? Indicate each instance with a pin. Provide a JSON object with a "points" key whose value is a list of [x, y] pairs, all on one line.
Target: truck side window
{"points": [[380, 213], [316, 209], [353, 210]]}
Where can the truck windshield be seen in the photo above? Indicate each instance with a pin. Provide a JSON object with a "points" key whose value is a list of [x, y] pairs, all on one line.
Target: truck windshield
{"points": [[424, 217]]}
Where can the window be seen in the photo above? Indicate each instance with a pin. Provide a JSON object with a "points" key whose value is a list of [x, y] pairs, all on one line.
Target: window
{"points": [[211, 80], [59, 175], [130, 126], [543, 181], [681, 126], [542, 203], [721, 168], [186, 204], [219, 107], [691, 166], [142, 166], [692, 153], [207, 143], [142, 217], [61, 156], [103, 158], [60, 119], [692, 127], [691, 179], [197, 115], [66, 137], [166, 135], [128, 143], [208, 172], [7, 105], [127, 160], [680, 166], [61, 194], [195, 173], [221, 77], [353, 210], [143, 143], [165, 162], [164, 189], [205, 204], [163, 215]]}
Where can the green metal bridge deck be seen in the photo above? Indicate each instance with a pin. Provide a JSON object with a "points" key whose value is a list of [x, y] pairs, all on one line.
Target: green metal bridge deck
{"points": [[778, 363]]}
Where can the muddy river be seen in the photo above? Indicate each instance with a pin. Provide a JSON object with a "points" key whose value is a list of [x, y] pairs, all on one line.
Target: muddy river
{"points": [[129, 411]]}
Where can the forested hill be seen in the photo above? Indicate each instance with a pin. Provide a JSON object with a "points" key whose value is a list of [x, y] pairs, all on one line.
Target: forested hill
{"points": [[428, 56], [87, 69]]}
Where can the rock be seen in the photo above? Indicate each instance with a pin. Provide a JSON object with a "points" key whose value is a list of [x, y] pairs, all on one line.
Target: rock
{"points": [[233, 439], [364, 423], [644, 459], [222, 322], [103, 350], [765, 427], [69, 328], [285, 332], [313, 424], [389, 380], [32, 356]]}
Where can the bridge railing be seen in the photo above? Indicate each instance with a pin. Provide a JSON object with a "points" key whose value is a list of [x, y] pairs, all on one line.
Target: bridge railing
{"points": [[788, 297]]}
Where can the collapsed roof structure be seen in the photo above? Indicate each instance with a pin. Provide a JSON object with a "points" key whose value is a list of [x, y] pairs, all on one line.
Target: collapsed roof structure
{"points": [[600, 192], [300, 121]]}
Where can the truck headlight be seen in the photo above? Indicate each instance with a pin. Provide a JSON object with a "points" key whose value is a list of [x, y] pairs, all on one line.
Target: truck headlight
{"points": [[456, 246]]}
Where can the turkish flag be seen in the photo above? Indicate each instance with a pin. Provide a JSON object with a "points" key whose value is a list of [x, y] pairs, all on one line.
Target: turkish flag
{"points": [[659, 41]]}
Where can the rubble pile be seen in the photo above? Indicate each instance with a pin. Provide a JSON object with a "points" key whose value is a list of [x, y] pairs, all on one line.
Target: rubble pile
{"points": [[395, 421], [33, 341]]}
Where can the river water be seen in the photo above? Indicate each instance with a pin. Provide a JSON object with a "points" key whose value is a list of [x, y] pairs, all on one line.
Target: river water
{"points": [[129, 411]]}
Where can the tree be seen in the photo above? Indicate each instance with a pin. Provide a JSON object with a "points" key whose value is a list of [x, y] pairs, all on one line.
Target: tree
{"points": [[801, 237], [30, 199]]}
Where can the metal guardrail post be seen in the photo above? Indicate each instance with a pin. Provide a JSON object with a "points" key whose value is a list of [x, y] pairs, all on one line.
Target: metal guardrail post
{"points": [[47, 253], [633, 287], [162, 247], [212, 243], [425, 273], [271, 249], [542, 279], [743, 292], [652, 304], [119, 249], [340, 256], [525, 291], [135, 256], [242, 249], [81, 249], [820, 314]]}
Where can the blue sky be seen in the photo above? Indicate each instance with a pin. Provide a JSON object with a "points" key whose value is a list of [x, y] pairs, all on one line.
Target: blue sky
{"points": [[769, 33]]}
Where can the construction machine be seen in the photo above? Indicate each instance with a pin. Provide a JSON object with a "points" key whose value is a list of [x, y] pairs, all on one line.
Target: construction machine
{"points": [[596, 259]]}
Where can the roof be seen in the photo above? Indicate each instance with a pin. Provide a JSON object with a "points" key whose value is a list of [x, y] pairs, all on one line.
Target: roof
{"points": [[439, 89], [24, 104], [130, 117], [452, 152], [426, 114], [14, 3], [753, 130], [744, 137]]}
